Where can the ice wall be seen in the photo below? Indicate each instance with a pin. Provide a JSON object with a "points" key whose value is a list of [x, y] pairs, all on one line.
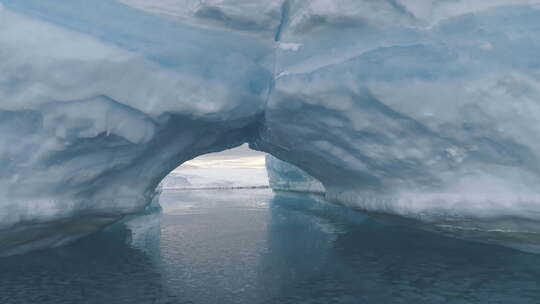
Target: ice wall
{"points": [[99, 101], [422, 109], [412, 108], [287, 177]]}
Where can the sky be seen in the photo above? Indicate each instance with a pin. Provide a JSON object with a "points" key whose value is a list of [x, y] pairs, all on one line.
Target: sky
{"points": [[241, 157]]}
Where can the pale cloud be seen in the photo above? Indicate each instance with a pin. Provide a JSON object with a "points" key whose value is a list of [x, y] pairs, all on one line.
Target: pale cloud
{"points": [[241, 157], [240, 162]]}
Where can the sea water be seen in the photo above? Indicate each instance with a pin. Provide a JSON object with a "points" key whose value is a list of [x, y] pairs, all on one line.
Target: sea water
{"points": [[255, 246]]}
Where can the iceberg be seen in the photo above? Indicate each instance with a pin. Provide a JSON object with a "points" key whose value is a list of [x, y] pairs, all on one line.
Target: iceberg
{"points": [[215, 179], [426, 110], [286, 177]]}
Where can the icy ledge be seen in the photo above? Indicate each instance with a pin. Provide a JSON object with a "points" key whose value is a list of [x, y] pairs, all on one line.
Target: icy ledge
{"points": [[426, 110], [286, 177]]}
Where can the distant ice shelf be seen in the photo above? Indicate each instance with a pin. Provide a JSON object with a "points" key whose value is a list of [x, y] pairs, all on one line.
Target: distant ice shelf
{"points": [[216, 178]]}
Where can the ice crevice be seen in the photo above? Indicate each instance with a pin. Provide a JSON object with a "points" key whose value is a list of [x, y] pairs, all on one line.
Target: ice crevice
{"points": [[423, 110]]}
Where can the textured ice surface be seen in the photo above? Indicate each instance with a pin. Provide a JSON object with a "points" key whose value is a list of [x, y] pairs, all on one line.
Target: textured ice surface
{"points": [[423, 109], [430, 116], [287, 177], [97, 107]]}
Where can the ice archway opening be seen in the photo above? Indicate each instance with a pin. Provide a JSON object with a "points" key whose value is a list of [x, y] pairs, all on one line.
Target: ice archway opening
{"points": [[97, 180], [235, 169]]}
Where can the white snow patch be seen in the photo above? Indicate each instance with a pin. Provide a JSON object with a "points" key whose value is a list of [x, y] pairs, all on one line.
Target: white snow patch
{"points": [[487, 46], [290, 46]]}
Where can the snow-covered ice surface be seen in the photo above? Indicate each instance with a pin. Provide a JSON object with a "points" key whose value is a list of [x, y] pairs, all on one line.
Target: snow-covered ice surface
{"points": [[100, 101], [427, 110]]}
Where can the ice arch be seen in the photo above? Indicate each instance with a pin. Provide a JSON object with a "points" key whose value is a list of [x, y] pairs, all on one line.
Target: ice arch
{"points": [[425, 109]]}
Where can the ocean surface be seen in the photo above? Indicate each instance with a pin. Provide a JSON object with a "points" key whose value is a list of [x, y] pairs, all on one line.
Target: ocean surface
{"points": [[255, 246]]}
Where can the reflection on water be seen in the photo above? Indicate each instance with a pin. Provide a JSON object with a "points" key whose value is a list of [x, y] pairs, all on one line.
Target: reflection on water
{"points": [[256, 247]]}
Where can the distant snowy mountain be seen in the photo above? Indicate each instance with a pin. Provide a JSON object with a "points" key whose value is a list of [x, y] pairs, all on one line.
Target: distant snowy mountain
{"points": [[218, 178]]}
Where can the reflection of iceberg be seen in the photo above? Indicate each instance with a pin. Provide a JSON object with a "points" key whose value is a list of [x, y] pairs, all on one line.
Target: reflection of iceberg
{"points": [[325, 252], [119, 265]]}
